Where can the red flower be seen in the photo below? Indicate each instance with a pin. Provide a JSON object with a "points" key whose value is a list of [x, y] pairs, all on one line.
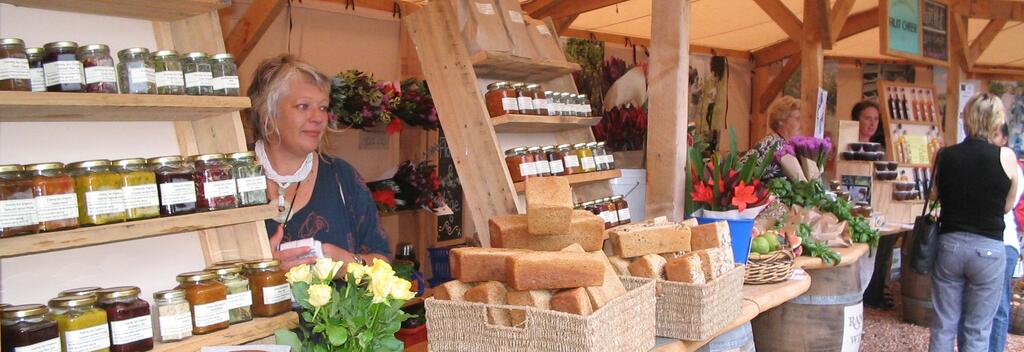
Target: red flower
{"points": [[394, 126], [701, 193], [385, 197], [435, 181], [743, 195]]}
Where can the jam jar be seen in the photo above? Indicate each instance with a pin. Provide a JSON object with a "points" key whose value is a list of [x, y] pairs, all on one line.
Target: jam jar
{"points": [[61, 68], [609, 158], [540, 102], [208, 299], [27, 328], [100, 199], [138, 74], [14, 69], [612, 215], [100, 74], [174, 318], [514, 159], [600, 156], [176, 185], [540, 161], [225, 75], [583, 104], [141, 198], [35, 69], [524, 99], [239, 295], [549, 103], [248, 175], [54, 191], [568, 104], [169, 78], [215, 188], [622, 208], [131, 326], [198, 74], [501, 99], [19, 207], [589, 206], [570, 159], [80, 291], [586, 156], [83, 326], [271, 294], [554, 159]]}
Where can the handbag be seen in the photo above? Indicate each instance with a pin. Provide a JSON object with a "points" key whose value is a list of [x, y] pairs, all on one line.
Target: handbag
{"points": [[924, 245]]}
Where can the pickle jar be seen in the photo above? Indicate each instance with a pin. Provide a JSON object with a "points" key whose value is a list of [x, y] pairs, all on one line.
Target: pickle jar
{"points": [[549, 103], [100, 73], [570, 159], [524, 99], [609, 157], [174, 318], [19, 215], [249, 178], [35, 69], [514, 160], [80, 291], [54, 191], [600, 156], [271, 294], [61, 68], [622, 208], [169, 78], [501, 99], [568, 107], [540, 161], [98, 187], [208, 301], [82, 325], [586, 156], [540, 102], [137, 71], [175, 184], [584, 106], [239, 295], [141, 198], [27, 328], [554, 159], [225, 75], [131, 326], [14, 69], [215, 188], [198, 74]]}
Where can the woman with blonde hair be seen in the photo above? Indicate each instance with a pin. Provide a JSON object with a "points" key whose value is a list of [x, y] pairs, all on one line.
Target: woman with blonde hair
{"points": [[784, 121]]}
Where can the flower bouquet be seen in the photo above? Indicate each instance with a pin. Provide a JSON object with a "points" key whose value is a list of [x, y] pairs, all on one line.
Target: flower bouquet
{"points": [[416, 106], [727, 185], [803, 158], [357, 101], [384, 194], [623, 128], [413, 186]]}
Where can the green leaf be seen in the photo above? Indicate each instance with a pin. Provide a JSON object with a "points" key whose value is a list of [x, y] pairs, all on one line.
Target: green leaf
{"points": [[365, 338], [288, 338], [389, 343], [732, 143], [337, 335]]}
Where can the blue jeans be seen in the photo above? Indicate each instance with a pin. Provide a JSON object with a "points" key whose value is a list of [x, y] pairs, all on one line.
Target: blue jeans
{"points": [[1001, 323], [967, 284]]}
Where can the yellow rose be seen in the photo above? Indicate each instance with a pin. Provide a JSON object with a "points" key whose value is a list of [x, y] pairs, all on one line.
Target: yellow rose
{"points": [[400, 289], [299, 273], [381, 288], [358, 271], [325, 268], [380, 270], [319, 295]]}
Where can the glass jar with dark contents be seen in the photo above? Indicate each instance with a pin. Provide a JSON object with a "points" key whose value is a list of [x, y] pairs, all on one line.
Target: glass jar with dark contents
{"points": [[176, 185], [225, 75], [524, 99], [131, 326], [591, 207], [501, 99], [16, 200], [622, 208], [584, 106], [540, 161], [540, 102], [100, 73], [138, 74], [27, 328], [215, 188], [35, 69], [609, 157], [613, 212], [198, 74], [554, 159], [55, 198], [14, 69], [169, 78], [61, 68]]}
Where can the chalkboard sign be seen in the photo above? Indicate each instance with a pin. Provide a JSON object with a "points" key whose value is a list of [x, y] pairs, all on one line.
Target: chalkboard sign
{"points": [[449, 227], [916, 30]]}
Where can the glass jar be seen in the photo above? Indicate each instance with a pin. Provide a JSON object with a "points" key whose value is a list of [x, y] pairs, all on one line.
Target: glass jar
{"points": [[169, 78], [54, 191], [584, 106], [138, 74], [501, 99], [82, 325], [540, 161], [35, 69], [514, 160], [611, 217], [27, 328], [568, 109], [208, 300], [600, 156], [570, 158], [100, 74], [14, 71], [215, 188], [100, 199], [19, 207], [249, 178], [198, 74], [61, 68], [549, 103], [524, 99], [239, 295], [131, 326], [80, 291], [225, 75], [622, 208], [609, 158], [591, 207], [173, 316], [586, 156], [141, 198], [271, 294], [554, 159], [540, 102], [175, 184]]}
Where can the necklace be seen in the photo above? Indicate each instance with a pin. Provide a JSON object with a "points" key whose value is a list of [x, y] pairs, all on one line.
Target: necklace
{"points": [[282, 181]]}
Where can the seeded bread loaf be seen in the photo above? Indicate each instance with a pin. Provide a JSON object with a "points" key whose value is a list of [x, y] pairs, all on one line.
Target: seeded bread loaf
{"points": [[635, 241], [454, 290], [612, 287], [548, 206], [712, 263], [713, 235], [540, 299], [553, 270], [511, 231], [621, 265], [474, 264], [685, 269], [573, 301], [492, 292], [651, 266]]}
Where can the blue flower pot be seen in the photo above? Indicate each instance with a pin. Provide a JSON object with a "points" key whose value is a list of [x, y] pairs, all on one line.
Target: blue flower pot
{"points": [[741, 231]]}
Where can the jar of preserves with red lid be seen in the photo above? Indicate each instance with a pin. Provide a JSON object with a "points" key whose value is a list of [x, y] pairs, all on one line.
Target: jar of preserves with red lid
{"points": [[271, 294], [27, 328], [54, 191], [131, 326], [501, 99], [524, 99], [100, 74], [540, 161], [208, 300], [622, 208], [19, 208], [62, 70], [175, 184], [554, 160], [14, 70], [570, 158], [215, 188]]}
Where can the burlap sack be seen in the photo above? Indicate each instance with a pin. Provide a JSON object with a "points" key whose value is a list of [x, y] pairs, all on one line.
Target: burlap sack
{"points": [[481, 26], [515, 24], [544, 40], [697, 311]]}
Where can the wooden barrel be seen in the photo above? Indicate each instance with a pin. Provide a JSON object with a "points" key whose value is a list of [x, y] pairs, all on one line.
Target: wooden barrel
{"points": [[740, 339], [915, 292]]}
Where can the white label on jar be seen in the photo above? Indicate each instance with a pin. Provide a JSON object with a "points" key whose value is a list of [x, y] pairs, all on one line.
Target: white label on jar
{"points": [[218, 189], [604, 159], [88, 339], [176, 325], [543, 167], [487, 9], [509, 104], [38, 79], [543, 29], [141, 75], [556, 167], [540, 104], [528, 169], [104, 202], [62, 72], [515, 16], [225, 82], [17, 212], [607, 216], [57, 207], [169, 78], [571, 161], [12, 68], [554, 108], [198, 79], [623, 214], [588, 163], [239, 300], [100, 74], [211, 313], [141, 196], [131, 330], [276, 294], [525, 103], [177, 193], [51, 345], [250, 184], [610, 158]]}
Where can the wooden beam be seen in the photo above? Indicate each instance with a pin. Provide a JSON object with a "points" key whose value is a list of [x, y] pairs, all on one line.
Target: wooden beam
{"points": [[991, 9], [247, 32], [535, 6], [961, 48], [775, 86], [811, 66], [997, 73], [984, 39], [758, 120], [782, 17], [619, 39], [563, 23], [560, 9], [855, 24], [837, 19], [819, 16]]}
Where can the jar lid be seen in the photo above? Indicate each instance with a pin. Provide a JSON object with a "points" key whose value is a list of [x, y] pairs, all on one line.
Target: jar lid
{"points": [[133, 51], [600, 143], [549, 92], [169, 294], [10, 168], [497, 85], [196, 276], [560, 146], [592, 144], [62, 45], [581, 95], [616, 197], [118, 292], [518, 85], [206, 157], [94, 47], [579, 145], [533, 86], [89, 163], [606, 199], [533, 149], [73, 301], [164, 159], [34, 51], [564, 94], [24, 310], [238, 262], [241, 155], [223, 270], [44, 166], [129, 161], [196, 55], [163, 53], [547, 147], [223, 56], [584, 204], [81, 291], [12, 41], [263, 264]]}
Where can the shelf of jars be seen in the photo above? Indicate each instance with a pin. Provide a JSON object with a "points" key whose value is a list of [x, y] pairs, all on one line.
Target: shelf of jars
{"points": [[237, 334], [509, 67], [916, 123], [50, 106], [581, 178], [514, 123], [94, 235], [155, 10]]}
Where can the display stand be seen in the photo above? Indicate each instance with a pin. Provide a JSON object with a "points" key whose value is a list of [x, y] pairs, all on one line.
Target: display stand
{"points": [[853, 174]]}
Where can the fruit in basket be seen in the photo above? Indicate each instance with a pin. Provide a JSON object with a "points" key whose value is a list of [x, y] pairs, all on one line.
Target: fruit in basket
{"points": [[773, 241], [760, 245]]}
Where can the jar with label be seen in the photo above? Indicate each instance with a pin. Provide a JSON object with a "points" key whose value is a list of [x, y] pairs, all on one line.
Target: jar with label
{"points": [[17, 206], [215, 188], [100, 74], [61, 68], [514, 160], [599, 156], [35, 69], [54, 191], [567, 107], [554, 159], [609, 158], [198, 74], [271, 294], [169, 78], [173, 316], [225, 75], [131, 326], [524, 99], [549, 102], [584, 106], [175, 184], [14, 69], [80, 291], [141, 198], [239, 295], [540, 102], [82, 325], [27, 328], [570, 159], [208, 299], [540, 161], [249, 178], [136, 70], [586, 156], [100, 199], [501, 99], [572, 104], [613, 212], [622, 208], [589, 206]]}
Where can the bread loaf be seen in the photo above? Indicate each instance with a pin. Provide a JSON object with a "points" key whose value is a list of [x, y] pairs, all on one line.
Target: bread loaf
{"points": [[635, 241], [612, 287], [492, 292], [573, 301], [474, 264], [552, 270], [712, 263], [511, 231], [621, 265], [691, 222], [454, 290], [651, 266], [540, 299], [685, 269], [713, 235], [548, 206]]}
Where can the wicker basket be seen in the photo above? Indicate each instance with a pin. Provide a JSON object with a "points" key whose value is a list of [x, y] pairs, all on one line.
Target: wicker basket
{"points": [[1017, 317], [698, 311], [769, 268]]}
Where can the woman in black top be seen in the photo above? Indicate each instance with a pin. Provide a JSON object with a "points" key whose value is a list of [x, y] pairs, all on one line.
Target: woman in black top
{"points": [[973, 183]]}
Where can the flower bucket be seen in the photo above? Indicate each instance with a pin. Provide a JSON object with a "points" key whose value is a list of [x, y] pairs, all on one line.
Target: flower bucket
{"points": [[741, 231]]}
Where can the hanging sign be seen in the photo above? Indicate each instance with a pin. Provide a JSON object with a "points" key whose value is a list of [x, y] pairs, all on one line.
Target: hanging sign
{"points": [[904, 24], [916, 30]]}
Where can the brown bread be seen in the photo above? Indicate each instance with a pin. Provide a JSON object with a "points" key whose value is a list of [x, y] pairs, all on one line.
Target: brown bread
{"points": [[553, 270], [548, 206], [474, 264], [713, 235], [685, 269], [635, 241], [511, 231], [540, 299], [612, 287], [651, 266], [454, 290], [573, 301], [492, 292]]}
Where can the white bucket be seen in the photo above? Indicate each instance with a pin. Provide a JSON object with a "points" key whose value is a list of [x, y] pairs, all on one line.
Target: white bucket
{"points": [[633, 186]]}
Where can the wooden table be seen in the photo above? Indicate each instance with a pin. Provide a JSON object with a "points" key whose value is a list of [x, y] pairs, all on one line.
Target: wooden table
{"points": [[849, 254]]}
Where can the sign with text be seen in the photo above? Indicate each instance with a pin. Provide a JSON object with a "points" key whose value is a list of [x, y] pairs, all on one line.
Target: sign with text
{"points": [[449, 227], [904, 23], [915, 30]]}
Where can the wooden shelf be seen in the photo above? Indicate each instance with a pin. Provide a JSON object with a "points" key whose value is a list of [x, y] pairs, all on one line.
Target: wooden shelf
{"points": [[237, 334], [849, 256], [541, 124], [505, 66], [155, 10], [581, 178], [912, 201], [47, 106], [916, 165], [89, 236], [915, 123]]}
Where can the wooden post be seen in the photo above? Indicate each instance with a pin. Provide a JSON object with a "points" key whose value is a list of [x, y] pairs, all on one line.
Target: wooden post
{"points": [[758, 120], [811, 65], [669, 89]]}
